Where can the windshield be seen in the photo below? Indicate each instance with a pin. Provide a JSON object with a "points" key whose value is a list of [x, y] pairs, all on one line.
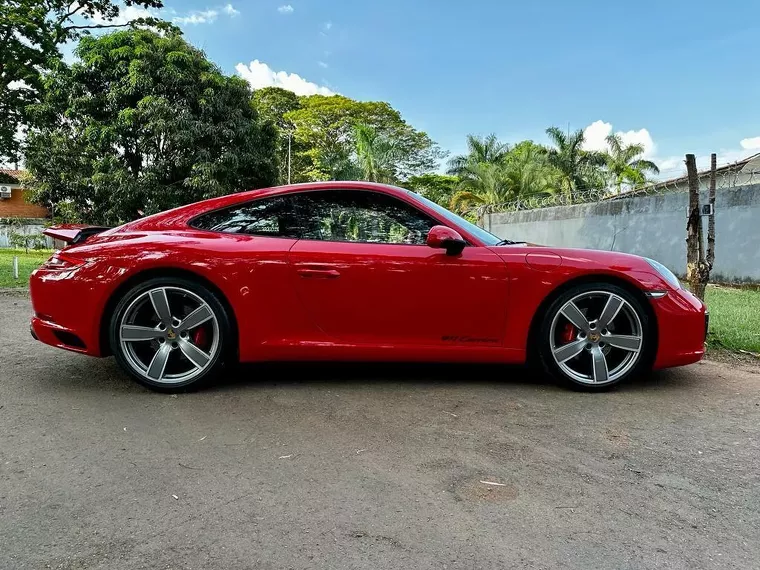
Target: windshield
{"points": [[486, 237]]}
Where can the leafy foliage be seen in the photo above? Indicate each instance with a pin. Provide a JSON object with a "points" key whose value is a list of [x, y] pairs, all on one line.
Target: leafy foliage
{"points": [[578, 169], [325, 129], [488, 150], [439, 188], [625, 165], [144, 123], [30, 33]]}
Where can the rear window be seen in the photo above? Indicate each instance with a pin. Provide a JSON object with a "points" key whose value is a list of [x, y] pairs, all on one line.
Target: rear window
{"points": [[273, 217]]}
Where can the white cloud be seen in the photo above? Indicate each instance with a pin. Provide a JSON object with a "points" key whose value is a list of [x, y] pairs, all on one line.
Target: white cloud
{"points": [[327, 26], [322, 64], [285, 9], [194, 18], [670, 166], [18, 84], [751, 143], [126, 15], [598, 131], [208, 16], [259, 74]]}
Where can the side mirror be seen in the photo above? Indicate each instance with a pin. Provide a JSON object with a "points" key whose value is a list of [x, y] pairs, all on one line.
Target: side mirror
{"points": [[443, 237]]}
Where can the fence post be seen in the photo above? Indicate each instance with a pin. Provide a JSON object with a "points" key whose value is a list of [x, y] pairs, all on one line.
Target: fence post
{"points": [[15, 266]]}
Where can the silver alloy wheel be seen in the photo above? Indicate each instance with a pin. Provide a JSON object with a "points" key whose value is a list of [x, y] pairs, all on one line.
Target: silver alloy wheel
{"points": [[160, 335], [606, 337]]}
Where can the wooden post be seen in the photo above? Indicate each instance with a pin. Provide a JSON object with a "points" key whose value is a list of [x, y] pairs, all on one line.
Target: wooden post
{"points": [[697, 269], [711, 221], [15, 266]]}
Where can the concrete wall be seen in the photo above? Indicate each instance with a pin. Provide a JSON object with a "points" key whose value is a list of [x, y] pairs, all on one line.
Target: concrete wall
{"points": [[32, 227], [653, 226]]}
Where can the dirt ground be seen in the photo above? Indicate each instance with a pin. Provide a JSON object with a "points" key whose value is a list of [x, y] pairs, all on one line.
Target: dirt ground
{"points": [[347, 466]]}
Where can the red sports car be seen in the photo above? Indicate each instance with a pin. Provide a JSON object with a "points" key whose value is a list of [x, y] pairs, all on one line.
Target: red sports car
{"points": [[352, 271]]}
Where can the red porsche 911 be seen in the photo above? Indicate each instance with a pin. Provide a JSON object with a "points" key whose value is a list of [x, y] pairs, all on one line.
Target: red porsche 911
{"points": [[352, 271]]}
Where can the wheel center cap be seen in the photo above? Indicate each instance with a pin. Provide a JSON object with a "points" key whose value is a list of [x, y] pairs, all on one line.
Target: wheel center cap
{"points": [[594, 337], [170, 334]]}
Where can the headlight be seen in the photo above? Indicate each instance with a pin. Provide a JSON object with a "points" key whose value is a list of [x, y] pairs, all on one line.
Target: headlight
{"points": [[664, 272]]}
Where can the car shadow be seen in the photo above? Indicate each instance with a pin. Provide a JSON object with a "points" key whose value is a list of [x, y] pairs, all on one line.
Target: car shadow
{"points": [[421, 374]]}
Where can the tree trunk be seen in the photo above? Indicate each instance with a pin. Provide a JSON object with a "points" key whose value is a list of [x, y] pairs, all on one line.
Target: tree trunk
{"points": [[697, 271], [711, 221]]}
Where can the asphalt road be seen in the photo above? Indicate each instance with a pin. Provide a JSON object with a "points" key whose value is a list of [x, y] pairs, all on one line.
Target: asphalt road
{"points": [[338, 467]]}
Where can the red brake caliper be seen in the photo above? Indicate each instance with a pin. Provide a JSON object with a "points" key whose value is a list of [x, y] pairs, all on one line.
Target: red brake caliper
{"points": [[569, 334], [200, 338]]}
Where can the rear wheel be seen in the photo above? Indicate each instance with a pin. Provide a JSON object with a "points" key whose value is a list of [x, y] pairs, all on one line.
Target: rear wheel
{"points": [[595, 336], [170, 334]]}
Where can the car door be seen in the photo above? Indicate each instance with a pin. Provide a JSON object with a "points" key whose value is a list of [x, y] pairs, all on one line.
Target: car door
{"points": [[365, 276]]}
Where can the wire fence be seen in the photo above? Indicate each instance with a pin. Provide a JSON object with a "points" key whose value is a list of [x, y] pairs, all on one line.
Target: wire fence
{"points": [[727, 176]]}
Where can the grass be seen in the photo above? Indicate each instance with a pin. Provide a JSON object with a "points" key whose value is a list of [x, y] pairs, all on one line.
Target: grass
{"points": [[27, 262], [734, 318], [734, 313]]}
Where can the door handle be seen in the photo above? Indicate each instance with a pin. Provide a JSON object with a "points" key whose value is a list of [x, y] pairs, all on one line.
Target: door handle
{"points": [[319, 273]]}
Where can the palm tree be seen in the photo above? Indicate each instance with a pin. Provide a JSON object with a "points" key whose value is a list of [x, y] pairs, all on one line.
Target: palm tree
{"points": [[528, 172], [480, 150], [577, 168], [522, 173], [482, 184], [376, 154], [624, 163]]}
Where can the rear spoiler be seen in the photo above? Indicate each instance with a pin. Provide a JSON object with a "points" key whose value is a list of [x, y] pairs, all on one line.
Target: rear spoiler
{"points": [[73, 233]]}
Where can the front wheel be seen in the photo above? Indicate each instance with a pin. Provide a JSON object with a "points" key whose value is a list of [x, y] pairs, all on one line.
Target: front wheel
{"points": [[170, 334], [595, 336]]}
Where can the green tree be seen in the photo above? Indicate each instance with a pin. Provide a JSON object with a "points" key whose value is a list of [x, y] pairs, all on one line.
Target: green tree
{"points": [[528, 172], [325, 126], [272, 104], [376, 154], [579, 170], [144, 122], [439, 188], [30, 33], [492, 173], [624, 163], [481, 184], [479, 150]]}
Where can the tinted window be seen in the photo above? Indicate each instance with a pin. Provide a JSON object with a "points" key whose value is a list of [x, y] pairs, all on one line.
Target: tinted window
{"points": [[266, 217], [360, 216], [486, 237]]}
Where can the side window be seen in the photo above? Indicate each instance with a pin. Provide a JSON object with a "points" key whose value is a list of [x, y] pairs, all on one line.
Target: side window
{"points": [[360, 216], [272, 217]]}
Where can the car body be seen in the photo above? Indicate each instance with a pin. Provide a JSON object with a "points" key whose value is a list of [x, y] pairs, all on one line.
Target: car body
{"points": [[290, 294]]}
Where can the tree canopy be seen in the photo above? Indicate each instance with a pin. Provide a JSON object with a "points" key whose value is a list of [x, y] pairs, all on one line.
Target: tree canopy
{"points": [[144, 122], [30, 35], [327, 136]]}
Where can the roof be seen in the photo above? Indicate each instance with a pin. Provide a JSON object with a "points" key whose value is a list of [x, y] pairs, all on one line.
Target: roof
{"points": [[12, 175], [737, 166]]}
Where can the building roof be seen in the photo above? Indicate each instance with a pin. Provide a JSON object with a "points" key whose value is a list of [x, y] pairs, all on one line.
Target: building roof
{"points": [[11, 175], [750, 163]]}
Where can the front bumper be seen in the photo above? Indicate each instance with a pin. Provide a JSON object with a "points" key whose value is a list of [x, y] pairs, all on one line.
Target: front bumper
{"points": [[682, 325]]}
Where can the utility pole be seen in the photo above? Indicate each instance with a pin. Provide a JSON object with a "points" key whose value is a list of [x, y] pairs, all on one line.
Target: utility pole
{"points": [[290, 136]]}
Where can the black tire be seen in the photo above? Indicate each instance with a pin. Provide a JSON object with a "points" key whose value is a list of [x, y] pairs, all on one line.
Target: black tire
{"points": [[554, 324], [179, 292]]}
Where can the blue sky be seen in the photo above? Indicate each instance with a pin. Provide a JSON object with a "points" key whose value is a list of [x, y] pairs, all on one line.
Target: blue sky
{"points": [[678, 76]]}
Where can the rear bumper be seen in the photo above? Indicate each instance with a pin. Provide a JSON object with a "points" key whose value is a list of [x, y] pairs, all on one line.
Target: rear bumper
{"points": [[58, 336], [682, 323], [68, 306]]}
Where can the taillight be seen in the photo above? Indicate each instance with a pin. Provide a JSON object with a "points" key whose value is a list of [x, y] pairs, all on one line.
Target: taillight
{"points": [[62, 262]]}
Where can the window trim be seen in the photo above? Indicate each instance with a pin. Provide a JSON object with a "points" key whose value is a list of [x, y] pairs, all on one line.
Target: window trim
{"points": [[411, 203], [243, 204]]}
